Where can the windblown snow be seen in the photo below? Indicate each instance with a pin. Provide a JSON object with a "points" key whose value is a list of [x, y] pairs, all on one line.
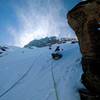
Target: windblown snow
{"points": [[32, 74]]}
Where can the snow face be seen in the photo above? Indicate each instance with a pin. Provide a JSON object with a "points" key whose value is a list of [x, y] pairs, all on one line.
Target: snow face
{"points": [[32, 74]]}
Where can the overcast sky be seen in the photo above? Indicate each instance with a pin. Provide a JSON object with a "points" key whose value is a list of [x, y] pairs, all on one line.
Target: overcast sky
{"points": [[24, 20]]}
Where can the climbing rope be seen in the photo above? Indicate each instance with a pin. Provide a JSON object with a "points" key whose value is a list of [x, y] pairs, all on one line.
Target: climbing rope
{"points": [[54, 82]]}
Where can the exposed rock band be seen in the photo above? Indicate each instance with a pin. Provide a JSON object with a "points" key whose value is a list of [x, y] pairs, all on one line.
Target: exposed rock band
{"points": [[84, 19]]}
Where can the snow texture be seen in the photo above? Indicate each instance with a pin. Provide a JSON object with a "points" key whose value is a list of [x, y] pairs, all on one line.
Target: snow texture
{"points": [[32, 74]]}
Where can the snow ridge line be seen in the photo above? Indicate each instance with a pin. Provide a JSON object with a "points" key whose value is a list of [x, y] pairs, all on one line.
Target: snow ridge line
{"points": [[25, 74]]}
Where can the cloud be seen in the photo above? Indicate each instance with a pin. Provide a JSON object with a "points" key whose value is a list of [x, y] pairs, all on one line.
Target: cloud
{"points": [[13, 32], [37, 19]]}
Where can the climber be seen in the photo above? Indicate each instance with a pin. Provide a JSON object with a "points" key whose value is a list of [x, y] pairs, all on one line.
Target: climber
{"points": [[57, 55], [50, 47], [57, 49]]}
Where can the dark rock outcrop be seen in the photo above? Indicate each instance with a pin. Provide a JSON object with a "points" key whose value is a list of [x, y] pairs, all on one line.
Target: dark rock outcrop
{"points": [[49, 41], [84, 19]]}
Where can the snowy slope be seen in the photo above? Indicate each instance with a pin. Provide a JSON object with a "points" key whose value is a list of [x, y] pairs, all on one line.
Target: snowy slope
{"points": [[33, 75]]}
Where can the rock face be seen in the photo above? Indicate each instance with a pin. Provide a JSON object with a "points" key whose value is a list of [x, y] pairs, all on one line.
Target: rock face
{"points": [[84, 19]]}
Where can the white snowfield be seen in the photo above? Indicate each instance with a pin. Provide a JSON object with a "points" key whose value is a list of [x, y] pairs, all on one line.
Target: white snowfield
{"points": [[32, 74]]}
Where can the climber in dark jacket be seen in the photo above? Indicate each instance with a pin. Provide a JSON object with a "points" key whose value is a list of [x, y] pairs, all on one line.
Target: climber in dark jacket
{"points": [[57, 49], [57, 55]]}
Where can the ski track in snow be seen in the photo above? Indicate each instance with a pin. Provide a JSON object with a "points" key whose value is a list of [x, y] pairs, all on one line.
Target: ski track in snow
{"points": [[43, 78]]}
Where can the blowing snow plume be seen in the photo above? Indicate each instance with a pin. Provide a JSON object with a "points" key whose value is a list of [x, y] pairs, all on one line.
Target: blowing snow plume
{"points": [[37, 19]]}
